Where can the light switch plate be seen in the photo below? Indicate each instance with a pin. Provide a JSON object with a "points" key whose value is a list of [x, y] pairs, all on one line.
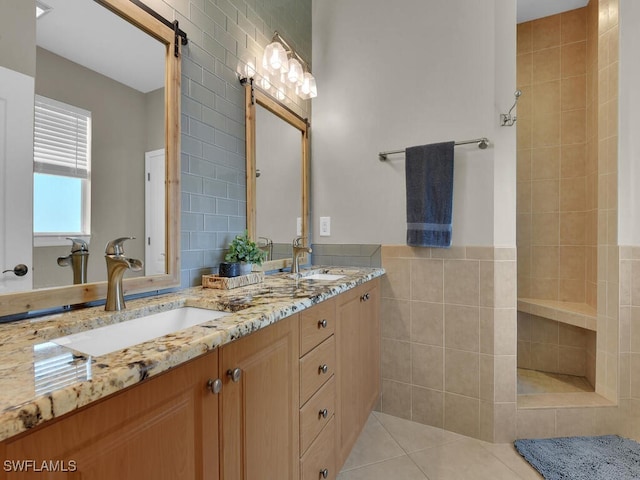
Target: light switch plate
{"points": [[325, 226]]}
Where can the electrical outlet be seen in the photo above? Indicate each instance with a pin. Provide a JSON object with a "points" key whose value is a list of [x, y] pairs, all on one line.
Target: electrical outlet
{"points": [[325, 226], [299, 226]]}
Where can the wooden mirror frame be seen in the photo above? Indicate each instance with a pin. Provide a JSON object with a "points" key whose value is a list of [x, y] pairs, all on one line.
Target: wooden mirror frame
{"points": [[253, 96], [20, 302]]}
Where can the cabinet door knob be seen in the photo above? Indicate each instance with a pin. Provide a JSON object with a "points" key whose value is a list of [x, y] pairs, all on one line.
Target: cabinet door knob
{"points": [[324, 473], [234, 374], [322, 323], [365, 297], [323, 368], [324, 413], [214, 385]]}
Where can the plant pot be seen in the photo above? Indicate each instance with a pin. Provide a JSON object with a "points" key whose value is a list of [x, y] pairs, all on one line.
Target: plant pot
{"points": [[229, 269], [245, 268]]}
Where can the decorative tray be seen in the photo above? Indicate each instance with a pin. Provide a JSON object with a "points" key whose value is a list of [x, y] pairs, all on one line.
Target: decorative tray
{"points": [[227, 283]]}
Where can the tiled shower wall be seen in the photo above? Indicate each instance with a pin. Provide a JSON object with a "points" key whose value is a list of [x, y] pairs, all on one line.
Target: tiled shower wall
{"points": [[223, 36], [449, 338], [556, 224]]}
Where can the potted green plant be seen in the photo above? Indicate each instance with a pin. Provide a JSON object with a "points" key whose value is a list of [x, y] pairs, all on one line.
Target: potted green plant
{"points": [[246, 252]]}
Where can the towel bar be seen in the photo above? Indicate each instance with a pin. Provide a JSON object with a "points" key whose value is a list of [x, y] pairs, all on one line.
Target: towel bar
{"points": [[482, 144]]}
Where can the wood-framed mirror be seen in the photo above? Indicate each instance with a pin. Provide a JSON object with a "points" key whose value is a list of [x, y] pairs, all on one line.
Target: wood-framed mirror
{"points": [[277, 149], [165, 273]]}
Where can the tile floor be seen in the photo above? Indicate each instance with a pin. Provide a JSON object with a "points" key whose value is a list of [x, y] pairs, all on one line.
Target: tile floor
{"points": [[398, 449]]}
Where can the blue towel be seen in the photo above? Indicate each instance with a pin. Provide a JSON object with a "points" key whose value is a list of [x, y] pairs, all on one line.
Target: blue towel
{"points": [[429, 173]]}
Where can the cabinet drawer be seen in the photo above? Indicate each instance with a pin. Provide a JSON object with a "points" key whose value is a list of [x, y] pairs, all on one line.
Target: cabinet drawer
{"points": [[313, 417], [317, 324], [316, 367], [320, 456]]}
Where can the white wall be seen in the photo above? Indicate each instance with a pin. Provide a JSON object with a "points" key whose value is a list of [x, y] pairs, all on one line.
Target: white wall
{"points": [[410, 72], [629, 125]]}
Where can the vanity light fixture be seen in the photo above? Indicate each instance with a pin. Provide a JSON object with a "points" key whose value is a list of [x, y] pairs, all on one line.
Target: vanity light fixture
{"points": [[42, 9], [284, 71]]}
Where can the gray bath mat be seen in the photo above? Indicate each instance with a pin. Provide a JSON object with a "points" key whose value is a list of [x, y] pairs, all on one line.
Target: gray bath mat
{"points": [[608, 457]]}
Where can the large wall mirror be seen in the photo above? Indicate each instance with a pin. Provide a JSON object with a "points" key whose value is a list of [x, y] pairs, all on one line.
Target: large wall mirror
{"points": [[109, 65], [277, 176]]}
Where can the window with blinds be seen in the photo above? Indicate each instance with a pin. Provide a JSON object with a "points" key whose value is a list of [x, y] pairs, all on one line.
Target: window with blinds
{"points": [[62, 139], [61, 172]]}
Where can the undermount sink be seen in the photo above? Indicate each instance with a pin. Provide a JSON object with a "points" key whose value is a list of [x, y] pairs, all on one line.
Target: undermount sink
{"points": [[322, 276], [103, 340], [326, 274]]}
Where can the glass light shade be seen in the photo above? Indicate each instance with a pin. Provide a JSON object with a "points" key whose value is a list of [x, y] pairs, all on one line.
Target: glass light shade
{"points": [[265, 82], [275, 58], [249, 70], [308, 88], [295, 72]]}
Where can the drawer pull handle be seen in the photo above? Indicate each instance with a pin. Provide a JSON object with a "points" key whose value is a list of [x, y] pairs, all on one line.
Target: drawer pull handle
{"points": [[234, 374], [214, 385], [324, 473], [324, 413], [365, 297], [322, 323], [323, 368]]}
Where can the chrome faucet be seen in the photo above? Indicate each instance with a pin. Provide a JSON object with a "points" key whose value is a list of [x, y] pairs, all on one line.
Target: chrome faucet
{"points": [[77, 260], [298, 251], [117, 264]]}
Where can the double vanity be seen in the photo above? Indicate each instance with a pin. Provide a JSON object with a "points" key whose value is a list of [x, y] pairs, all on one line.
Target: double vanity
{"points": [[268, 381]]}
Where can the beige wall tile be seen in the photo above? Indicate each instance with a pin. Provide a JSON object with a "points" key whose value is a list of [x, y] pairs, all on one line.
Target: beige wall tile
{"points": [[571, 336], [428, 406], [396, 399], [487, 284], [574, 59], [396, 360], [505, 331], [462, 372], [571, 361], [572, 194], [524, 69], [573, 228], [505, 378], [572, 263], [487, 376], [461, 282], [427, 323], [572, 160], [462, 414], [545, 163], [546, 32], [574, 93], [544, 357], [486, 330], [524, 355], [545, 229], [573, 25], [523, 197], [462, 327], [545, 196], [536, 423], [545, 130], [574, 126], [546, 92], [525, 39], [504, 430], [575, 421], [545, 261], [524, 133], [505, 285], [427, 366], [523, 168], [427, 280], [396, 282], [395, 318], [486, 421]]}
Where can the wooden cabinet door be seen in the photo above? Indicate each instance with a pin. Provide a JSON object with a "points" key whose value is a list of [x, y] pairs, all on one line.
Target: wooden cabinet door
{"points": [[164, 428], [259, 411], [358, 363]]}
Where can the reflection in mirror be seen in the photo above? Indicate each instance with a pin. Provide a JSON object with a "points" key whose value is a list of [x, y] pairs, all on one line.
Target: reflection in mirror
{"points": [[278, 182], [277, 198], [120, 84], [130, 116]]}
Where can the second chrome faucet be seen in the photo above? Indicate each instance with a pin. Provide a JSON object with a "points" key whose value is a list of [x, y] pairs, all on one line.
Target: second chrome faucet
{"points": [[298, 250], [117, 265]]}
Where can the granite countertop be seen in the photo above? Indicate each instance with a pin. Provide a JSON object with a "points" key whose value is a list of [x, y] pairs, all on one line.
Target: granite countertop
{"points": [[40, 380]]}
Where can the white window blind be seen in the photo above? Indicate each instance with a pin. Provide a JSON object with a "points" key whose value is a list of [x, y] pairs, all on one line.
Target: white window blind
{"points": [[62, 139]]}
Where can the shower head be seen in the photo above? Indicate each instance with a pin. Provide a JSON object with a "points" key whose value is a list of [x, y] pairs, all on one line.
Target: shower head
{"points": [[518, 93], [482, 144]]}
